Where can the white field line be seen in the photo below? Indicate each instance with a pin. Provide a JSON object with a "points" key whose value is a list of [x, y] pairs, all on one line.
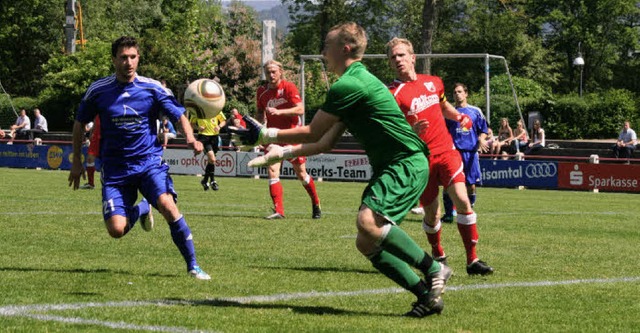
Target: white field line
{"points": [[39, 311]]}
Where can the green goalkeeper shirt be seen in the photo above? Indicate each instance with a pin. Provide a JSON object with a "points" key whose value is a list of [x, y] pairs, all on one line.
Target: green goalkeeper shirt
{"points": [[365, 105]]}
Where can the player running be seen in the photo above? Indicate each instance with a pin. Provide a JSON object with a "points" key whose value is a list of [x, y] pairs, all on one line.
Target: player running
{"points": [[209, 135], [422, 100], [359, 102], [467, 142], [279, 103], [128, 106]]}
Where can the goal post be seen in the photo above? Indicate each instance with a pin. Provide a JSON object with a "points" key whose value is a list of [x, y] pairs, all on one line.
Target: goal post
{"points": [[487, 57]]}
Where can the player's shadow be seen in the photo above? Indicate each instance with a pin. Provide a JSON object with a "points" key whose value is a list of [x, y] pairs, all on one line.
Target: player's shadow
{"points": [[299, 309], [80, 271], [319, 269]]}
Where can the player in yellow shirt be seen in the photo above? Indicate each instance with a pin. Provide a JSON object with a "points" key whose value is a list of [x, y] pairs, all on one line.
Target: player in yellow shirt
{"points": [[208, 134]]}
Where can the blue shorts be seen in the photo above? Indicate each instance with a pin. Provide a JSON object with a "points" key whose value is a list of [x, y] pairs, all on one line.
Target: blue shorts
{"points": [[471, 162], [150, 177]]}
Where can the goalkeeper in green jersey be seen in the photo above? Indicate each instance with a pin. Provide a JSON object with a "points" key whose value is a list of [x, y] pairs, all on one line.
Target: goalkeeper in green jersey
{"points": [[361, 103]]}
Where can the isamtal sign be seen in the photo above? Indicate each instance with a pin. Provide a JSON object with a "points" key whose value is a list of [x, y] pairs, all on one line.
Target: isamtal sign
{"points": [[541, 174]]}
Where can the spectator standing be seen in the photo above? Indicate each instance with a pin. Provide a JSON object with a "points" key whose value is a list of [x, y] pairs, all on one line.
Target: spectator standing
{"points": [[237, 119], [626, 143], [537, 138]]}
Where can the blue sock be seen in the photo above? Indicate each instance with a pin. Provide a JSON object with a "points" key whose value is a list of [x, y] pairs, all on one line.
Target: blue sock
{"points": [[183, 239], [448, 204], [472, 198], [133, 214]]}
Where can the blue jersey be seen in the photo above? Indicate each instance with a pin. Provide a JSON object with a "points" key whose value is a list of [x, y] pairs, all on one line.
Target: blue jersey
{"points": [[464, 139], [128, 114]]}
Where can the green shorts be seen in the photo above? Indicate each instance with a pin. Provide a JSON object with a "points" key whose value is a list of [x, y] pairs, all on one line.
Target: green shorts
{"points": [[397, 188]]}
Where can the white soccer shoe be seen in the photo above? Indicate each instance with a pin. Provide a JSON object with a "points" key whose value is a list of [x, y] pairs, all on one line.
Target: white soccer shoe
{"points": [[199, 274], [146, 220], [417, 211]]}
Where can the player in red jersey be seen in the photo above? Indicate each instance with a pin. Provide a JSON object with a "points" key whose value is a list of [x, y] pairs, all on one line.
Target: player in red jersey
{"points": [[280, 105], [92, 153], [421, 98]]}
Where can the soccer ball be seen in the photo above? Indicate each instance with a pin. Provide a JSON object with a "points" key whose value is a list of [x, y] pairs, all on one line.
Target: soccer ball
{"points": [[204, 98]]}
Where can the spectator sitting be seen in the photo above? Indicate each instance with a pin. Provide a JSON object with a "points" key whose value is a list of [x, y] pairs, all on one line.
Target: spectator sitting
{"points": [[39, 125], [21, 127], [167, 131], [505, 136], [491, 139], [520, 139], [626, 143], [237, 118], [537, 138]]}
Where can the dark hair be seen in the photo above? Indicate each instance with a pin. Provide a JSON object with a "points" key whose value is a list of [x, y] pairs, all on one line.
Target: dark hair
{"points": [[124, 41], [464, 86]]}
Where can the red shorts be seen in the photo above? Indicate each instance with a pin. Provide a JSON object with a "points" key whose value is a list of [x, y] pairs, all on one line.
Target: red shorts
{"points": [[444, 170], [94, 143]]}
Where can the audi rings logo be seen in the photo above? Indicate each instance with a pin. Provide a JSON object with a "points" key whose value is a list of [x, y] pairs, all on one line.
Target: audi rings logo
{"points": [[541, 170]]}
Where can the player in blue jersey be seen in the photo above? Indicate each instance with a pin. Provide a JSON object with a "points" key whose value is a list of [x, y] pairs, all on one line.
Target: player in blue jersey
{"points": [[467, 142], [128, 106]]}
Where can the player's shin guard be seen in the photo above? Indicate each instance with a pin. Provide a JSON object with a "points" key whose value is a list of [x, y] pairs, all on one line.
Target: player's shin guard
{"points": [[183, 239], [91, 170], [395, 269], [433, 236], [310, 186], [276, 191], [469, 233], [448, 204]]}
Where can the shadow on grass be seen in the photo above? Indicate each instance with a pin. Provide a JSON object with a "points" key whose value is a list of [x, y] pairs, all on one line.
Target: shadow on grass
{"points": [[81, 271], [320, 269], [299, 309]]}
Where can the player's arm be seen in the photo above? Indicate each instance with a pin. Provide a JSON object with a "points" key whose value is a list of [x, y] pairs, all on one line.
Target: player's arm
{"points": [[276, 153], [297, 110], [77, 169], [188, 134]]}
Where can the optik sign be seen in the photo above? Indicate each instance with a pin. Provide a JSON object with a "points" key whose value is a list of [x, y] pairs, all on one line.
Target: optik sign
{"points": [[535, 174]]}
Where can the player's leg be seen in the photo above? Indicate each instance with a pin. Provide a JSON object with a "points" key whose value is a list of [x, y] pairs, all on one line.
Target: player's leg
{"points": [[157, 186], [449, 208], [91, 171], [431, 221], [276, 191], [212, 162], [119, 211], [207, 148], [468, 229], [300, 168]]}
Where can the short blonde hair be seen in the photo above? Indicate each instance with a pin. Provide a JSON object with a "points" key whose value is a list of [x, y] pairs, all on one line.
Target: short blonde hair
{"points": [[352, 34], [397, 41]]}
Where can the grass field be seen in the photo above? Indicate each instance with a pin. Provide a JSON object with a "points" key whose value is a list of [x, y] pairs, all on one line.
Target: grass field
{"points": [[565, 262]]}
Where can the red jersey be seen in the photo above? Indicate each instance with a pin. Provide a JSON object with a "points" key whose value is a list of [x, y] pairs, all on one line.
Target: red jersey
{"points": [[420, 99], [284, 97]]}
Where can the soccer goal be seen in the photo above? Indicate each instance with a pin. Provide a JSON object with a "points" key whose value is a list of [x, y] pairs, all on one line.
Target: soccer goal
{"points": [[478, 58]]}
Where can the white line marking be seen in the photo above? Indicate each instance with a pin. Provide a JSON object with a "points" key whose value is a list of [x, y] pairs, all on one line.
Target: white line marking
{"points": [[35, 311]]}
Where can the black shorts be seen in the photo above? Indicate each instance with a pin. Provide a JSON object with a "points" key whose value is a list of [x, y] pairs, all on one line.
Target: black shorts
{"points": [[210, 142]]}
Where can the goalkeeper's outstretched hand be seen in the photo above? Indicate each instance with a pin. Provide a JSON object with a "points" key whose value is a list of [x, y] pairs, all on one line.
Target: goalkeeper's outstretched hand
{"points": [[274, 155], [255, 134]]}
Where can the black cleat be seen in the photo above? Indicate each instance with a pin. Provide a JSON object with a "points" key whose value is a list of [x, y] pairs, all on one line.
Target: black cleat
{"points": [[442, 260], [317, 213], [421, 308], [479, 267], [214, 185], [205, 185]]}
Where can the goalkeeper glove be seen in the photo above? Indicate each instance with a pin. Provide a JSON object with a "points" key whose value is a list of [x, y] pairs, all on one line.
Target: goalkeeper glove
{"points": [[254, 135], [464, 120], [274, 155]]}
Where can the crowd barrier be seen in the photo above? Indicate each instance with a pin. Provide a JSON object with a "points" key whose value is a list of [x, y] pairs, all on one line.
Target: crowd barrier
{"points": [[543, 174]]}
